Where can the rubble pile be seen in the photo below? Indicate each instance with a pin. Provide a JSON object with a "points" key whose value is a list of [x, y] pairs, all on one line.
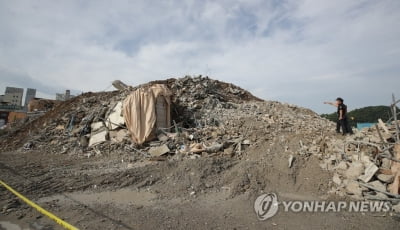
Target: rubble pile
{"points": [[66, 126], [213, 118], [93, 122], [365, 165]]}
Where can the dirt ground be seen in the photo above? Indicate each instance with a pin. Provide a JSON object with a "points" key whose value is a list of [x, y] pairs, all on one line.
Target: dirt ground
{"points": [[113, 192]]}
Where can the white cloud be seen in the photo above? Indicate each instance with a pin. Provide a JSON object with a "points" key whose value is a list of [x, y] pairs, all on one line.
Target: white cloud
{"points": [[302, 52]]}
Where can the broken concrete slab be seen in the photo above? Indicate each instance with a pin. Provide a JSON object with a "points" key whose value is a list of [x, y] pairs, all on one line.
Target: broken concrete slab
{"points": [[118, 136], [95, 126], [386, 163], [119, 85], [378, 185], [229, 151], [369, 173], [215, 147], [341, 167], [98, 138], [115, 119], [336, 179], [353, 188], [396, 208], [385, 178], [355, 170], [158, 151], [162, 137]]}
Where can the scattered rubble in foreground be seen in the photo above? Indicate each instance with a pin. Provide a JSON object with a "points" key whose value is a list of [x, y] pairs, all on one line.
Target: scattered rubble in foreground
{"points": [[366, 165], [216, 119]]}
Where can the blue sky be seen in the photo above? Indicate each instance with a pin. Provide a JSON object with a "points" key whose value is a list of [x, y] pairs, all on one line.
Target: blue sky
{"points": [[301, 51]]}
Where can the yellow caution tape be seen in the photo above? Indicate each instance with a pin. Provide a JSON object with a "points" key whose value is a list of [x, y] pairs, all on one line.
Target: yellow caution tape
{"points": [[40, 209]]}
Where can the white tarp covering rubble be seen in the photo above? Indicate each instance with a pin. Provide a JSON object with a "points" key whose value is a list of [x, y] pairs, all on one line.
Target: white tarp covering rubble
{"points": [[140, 111]]}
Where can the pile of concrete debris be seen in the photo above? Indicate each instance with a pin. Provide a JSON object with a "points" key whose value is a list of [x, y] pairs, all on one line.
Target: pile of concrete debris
{"points": [[92, 123], [366, 165], [213, 118]]}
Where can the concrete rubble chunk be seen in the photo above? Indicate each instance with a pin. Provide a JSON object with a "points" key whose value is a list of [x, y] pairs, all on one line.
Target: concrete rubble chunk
{"points": [[353, 188], [98, 138], [385, 178], [291, 158], [217, 120], [119, 85], [378, 185], [355, 170], [162, 137], [229, 151], [386, 163], [246, 142], [396, 208], [336, 179], [158, 151], [118, 136], [369, 173], [342, 166], [115, 119], [215, 147], [95, 126]]}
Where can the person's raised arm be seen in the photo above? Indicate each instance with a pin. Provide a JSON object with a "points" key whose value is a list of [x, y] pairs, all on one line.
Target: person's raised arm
{"points": [[330, 103]]}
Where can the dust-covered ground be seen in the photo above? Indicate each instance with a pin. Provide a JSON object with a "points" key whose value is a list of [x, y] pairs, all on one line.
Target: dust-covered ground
{"points": [[216, 192]]}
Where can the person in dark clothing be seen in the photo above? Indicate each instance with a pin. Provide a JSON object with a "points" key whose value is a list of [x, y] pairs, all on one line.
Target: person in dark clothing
{"points": [[343, 121]]}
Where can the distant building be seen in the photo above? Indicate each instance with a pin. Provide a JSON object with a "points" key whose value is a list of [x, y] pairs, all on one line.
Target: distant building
{"points": [[13, 96], [64, 96], [30, 94]]}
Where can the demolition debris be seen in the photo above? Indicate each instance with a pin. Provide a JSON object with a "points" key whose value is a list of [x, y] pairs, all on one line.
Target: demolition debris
{"points": [[198, 117]]}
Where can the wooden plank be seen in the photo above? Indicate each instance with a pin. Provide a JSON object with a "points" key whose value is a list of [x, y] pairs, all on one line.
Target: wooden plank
{"points": [[395, 118], [380, 135], [394, 187], [383, 126]]}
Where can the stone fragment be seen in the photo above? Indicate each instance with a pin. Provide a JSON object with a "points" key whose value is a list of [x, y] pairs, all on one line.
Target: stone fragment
{"points": [[115, 119], [95, 126], [336, 179], [118, 136], [378, 185], [353, 188], [369, 173], [355, 170], [385, 178], [98, 138], [158, 151]]}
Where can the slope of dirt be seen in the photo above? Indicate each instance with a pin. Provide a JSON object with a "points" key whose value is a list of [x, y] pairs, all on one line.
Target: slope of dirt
{"points": [[212, 193]]}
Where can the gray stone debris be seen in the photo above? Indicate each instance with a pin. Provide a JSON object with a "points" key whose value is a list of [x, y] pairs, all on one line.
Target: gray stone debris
{"points": [[158, 151], [213, 118], [98, 138], [369, 172], [385, 178], [115, 119], [363, 159], [355, 170]]}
